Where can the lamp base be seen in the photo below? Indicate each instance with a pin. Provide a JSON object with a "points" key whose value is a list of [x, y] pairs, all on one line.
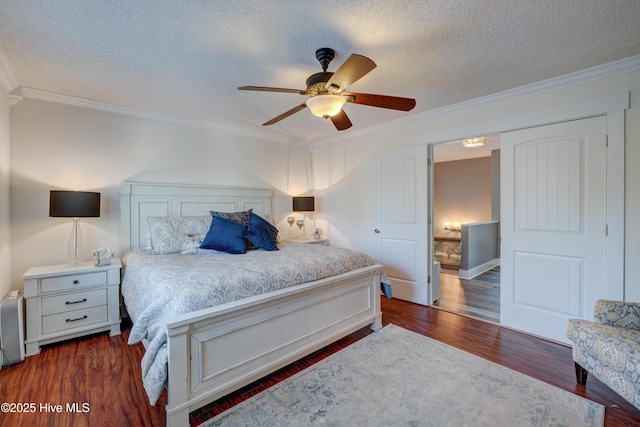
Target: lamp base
{"points": [[74, 248]]}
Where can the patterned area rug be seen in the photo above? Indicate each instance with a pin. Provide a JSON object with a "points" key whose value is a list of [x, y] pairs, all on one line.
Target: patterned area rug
{"points": [[396, 377]]}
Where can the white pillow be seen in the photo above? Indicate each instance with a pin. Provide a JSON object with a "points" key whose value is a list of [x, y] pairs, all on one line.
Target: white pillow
{"points": [[168, 232]]}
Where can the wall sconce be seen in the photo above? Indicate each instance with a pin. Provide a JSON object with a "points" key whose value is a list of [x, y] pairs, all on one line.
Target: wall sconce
{"points": [[455, 226], [474, 142], [74, 204]]}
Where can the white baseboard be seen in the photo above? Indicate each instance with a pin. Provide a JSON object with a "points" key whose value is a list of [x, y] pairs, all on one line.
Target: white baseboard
{"points": [[476, 271]]}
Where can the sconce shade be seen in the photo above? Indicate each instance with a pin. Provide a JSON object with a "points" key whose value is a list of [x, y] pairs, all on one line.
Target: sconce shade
{"points": [[304, 204], [74, 204]]}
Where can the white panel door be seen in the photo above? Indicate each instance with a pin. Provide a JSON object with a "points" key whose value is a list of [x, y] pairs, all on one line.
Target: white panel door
{"points": [[402, 221], [553, 225]]}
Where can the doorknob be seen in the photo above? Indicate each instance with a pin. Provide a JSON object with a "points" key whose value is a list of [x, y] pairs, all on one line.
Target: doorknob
{"points": [[376, 231]]}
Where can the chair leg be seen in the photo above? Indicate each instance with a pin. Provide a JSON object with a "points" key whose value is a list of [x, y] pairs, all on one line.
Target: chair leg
{"points": [[581, 374]]}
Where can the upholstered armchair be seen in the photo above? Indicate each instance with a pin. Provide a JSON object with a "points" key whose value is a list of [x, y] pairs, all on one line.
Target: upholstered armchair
{"points": [[609, 347]]}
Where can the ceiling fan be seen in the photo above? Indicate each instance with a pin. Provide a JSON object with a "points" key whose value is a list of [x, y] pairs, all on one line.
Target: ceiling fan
{"points": [[326, 91]]}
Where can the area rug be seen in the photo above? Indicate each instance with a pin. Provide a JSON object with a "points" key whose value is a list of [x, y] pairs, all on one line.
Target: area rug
{"points": [[396, 377]]}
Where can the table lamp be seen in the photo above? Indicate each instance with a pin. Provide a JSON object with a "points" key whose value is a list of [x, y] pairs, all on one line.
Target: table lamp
{"points": [[74, 204], [303, 204]]}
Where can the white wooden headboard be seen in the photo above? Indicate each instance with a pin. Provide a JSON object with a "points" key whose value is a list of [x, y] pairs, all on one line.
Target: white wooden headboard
{"points": [[139, 201]]}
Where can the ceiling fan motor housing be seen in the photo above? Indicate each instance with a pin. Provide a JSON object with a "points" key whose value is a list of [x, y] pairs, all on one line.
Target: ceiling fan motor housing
{"points": [[316, 83]]}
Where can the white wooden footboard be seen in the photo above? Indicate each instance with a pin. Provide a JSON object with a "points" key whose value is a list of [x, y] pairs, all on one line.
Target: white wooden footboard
{"points": [[215, 351]]}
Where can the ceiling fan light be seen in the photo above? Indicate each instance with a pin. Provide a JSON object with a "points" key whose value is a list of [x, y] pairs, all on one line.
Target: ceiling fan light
{"points": [[474, 142], [325, 105]]}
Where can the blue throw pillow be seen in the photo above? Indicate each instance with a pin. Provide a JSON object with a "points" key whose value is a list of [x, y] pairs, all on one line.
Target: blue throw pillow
{"points": [[261, 233], [225, 236]]}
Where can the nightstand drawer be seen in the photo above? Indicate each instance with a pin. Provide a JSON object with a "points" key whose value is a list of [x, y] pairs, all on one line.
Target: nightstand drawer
{"points": [[73, 281], [73, 301], [73, 319]]}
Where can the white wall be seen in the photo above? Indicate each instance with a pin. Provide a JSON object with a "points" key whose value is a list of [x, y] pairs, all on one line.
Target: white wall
{"points": [[56, 146], [344, 168], [5, 235]]}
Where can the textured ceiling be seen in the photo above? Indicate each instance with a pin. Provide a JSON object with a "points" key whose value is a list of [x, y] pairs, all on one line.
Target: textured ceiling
{"points": [[187, 58]]}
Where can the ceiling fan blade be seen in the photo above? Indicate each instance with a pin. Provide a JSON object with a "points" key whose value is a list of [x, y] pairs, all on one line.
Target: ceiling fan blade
{"points": [[353, 69], [271, 89], [285, 114], [341, 120], [381, 101]]}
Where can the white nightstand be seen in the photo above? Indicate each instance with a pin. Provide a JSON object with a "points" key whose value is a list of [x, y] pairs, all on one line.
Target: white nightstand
{"points": [[68, 301], [324, 242]]}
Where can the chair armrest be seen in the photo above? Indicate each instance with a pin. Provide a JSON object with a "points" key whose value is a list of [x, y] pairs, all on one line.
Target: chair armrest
{"points": [[618, 313]]}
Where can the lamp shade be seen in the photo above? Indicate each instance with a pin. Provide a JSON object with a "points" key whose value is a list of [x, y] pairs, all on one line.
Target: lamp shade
{"points": [[304, 204], [74, 204]]}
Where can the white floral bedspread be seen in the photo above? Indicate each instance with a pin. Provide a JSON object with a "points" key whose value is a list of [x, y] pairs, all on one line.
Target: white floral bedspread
{"points": [[156, 287]]}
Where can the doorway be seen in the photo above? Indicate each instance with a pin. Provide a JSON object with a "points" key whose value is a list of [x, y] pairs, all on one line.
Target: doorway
{"points": [[612, 109], [466, 194]]}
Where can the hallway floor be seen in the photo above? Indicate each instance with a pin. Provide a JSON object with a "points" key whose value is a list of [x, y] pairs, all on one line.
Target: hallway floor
{"points": [[478, 297]]}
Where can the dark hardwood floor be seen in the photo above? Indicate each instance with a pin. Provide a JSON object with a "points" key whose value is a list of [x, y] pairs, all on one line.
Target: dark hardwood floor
{"points": [[478, 297], [104, 372]]}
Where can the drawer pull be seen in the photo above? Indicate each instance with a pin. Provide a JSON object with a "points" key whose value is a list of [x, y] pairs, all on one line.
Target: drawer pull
{"points": [[75, 320], [76, 302], [76, 281]]}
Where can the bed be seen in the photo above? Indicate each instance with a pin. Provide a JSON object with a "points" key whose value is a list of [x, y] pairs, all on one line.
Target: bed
{"points": [[206, 351]]}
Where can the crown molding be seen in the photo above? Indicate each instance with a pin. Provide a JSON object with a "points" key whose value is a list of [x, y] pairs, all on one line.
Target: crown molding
{"points": [[14, 98], [599, 72], [622, 66], [7, 76], [149, 115]]}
